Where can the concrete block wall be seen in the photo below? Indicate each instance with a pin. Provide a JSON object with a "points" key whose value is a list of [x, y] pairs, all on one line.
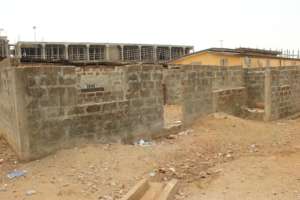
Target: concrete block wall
{"points": [[145, 95], [173, 86], [227, 77], [282, 92], [296, 89], [196, 92], [10, 118], [222, 78], [48, 94], [255, 82], [226, 84], [47, 107], [101, 84], [56, 105], [230, 101]]}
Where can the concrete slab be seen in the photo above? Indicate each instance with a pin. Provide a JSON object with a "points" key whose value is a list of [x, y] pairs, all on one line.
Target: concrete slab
{"points": [[137, 191], [145, 190]]}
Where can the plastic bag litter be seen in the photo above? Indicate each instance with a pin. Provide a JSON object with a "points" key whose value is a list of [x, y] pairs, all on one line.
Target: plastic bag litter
{"points": [[16, 174], [144, 143]]}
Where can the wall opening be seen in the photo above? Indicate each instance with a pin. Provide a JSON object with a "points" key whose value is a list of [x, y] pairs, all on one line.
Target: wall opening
{"points": [[172, 94]]}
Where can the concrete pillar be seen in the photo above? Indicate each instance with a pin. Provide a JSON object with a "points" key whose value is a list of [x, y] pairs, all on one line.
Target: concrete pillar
{"points": [[183, 53], [43, 51], [170, 55], [7, 49], [122, 52], [3, 48], [66, 52], [140, 53], [18, 50], [58, 52], [107, 48], [268, 95], [87, 52], [155, 54]]}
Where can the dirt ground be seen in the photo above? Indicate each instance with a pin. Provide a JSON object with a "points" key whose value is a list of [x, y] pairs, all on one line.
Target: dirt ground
{"points": [[219, 157]]}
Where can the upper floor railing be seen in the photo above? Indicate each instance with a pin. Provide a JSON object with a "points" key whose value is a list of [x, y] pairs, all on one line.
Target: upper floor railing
{"points": [[99, 52]]}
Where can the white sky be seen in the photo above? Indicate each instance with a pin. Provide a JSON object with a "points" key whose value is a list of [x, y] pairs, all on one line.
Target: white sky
{"points": [[248, 23]]}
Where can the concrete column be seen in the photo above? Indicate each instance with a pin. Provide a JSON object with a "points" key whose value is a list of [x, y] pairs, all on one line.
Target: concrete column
{"points": [[183, 51], [58, 53], [87, 52], [140, 53], [170, 55], [122, 52], [18, 51], [66, 52], [43, 51], [154, 54], [7, 50], [107, 48], [268, 95], [3, 48]]}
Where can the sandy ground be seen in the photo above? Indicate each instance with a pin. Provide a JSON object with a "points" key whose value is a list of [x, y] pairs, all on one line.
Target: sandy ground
{"points": [[219, 157]]}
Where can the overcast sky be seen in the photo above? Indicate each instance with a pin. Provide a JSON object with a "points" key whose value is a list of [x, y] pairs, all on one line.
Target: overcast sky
{"points": [[202, 23]]}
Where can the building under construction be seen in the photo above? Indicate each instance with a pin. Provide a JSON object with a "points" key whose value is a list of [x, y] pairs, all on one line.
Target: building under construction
{"points": [[99, 52]]}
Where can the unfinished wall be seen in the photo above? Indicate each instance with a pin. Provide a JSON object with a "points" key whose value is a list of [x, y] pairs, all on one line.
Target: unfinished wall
{"points": [[57, 104], [282, 92], [230, 101], [46, 107], [173, 86], [222, 78], [229, 92], [9, 119], [255, 81], [227, 77], [196, 92], [101, 84], [235, 87], [145, 95], [227, 86]]}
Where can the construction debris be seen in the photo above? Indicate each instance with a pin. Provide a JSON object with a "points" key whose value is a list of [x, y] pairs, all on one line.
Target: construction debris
{"points": [[145, 190]]}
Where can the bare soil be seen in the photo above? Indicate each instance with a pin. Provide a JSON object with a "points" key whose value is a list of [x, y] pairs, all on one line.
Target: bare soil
{"points": [[219, 157]]}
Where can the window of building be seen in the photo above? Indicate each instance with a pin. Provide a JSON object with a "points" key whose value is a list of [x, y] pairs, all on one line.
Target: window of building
{"points": [[224, 62]]}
